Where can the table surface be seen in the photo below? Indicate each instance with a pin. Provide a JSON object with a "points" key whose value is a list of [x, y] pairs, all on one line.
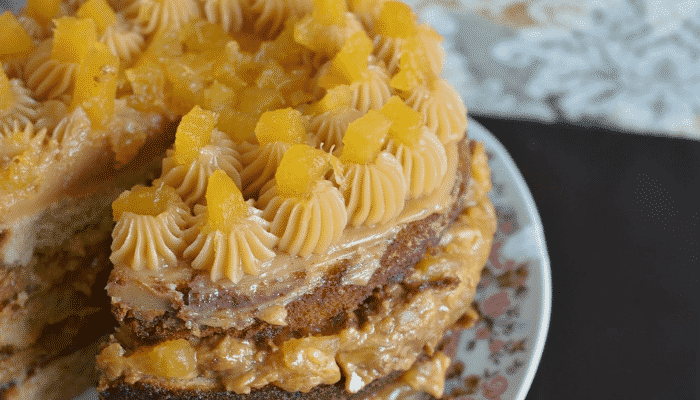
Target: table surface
{"points": [[620, 216]]}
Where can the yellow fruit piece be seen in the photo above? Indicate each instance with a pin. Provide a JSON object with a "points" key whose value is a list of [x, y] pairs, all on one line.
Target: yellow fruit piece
{"points": [[406, 122], [301, 167], [100, 12], [147, 83], [256, 100], [200, 36], [170, 359], [144, 200], [7, 98], [188, 75], [350, 64], [164, 46], [225, 204], [72, 38], [365, 6], [217, 97], [239, 126], [42, 10], [414, 67], [193, 133], [330, 12], [14, 40], [396, 20], [96, 84], [285, 125], [365, 138], [335, 98]]}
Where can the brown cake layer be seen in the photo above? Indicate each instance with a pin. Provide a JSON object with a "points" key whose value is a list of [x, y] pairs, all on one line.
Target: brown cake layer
{"points": [[322, 310], [143, 391]]}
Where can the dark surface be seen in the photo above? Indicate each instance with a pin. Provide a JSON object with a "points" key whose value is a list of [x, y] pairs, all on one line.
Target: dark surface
{"points": [[621, 218]]}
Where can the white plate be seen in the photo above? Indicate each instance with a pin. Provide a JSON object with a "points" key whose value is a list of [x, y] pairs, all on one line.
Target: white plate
{"points": [[501, 353]]}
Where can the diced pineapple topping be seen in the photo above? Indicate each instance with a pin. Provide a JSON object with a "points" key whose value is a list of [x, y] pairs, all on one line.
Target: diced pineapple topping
{"points": [[406, 122], [147, 82], [217, 97], [193, 133], [200, 36], [301, 167], [365, 137], [14, 40], [335, 98], [414, 67], [330, 12], [7, 98], [225, 204], [72, 38], [350, 64], [42, 10], [170, 359], [96, 84], [285, 125], [144, 200], [100, 12], [396, 20], [364, 6]]}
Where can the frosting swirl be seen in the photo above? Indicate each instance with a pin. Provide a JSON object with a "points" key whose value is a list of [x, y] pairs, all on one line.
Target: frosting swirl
{"points": [[173, 14], [273, 13], [17, 104], [15, 140], [151, 241], [330, 127], [388, 49], [46, 77], [227, 13], [190, 180], [424, 163], [443, 110], [123, 40], [374, 193], [372, 92], [72, 128], [50, 113], [239, 250], [305, 225], [261, 163]]}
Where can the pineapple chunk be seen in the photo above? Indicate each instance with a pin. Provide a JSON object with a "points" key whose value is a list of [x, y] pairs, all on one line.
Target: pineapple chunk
{"points": [[72, 39], [147, 82], [365, 138], [225, 203], [350, 64], [144, 200], [301, 167], [42, 10], [201, 36], [335, 98], [14, 40], [170, 359], [414, 67], [96, 84], [286, 125], [193, 133], [396, 20], [218, 97], [406, 122], [100, 12], [330, 12]]}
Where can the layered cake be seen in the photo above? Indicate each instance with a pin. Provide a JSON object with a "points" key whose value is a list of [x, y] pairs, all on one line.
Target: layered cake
{"points": [[280, 198]]}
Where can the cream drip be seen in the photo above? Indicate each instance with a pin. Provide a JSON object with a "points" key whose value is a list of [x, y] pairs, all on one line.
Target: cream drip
{"points": [[329, 128], [261, 163], [305, 225], [123, 39], [226, 13], [46, 77], [372, 92], [190, 180], [170, 14], [424, 163], [15, 140], [374, 193], [153, 242], [443, 110], [21, 107], [242, 249]]}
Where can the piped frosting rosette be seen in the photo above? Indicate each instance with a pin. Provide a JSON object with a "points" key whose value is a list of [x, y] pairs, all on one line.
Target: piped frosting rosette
{"points": [[230, 239], [276, 131], [373, 185], [421, 154], [16, 103], [150, 229], [369, 84], [226, 13], [200, 149], [307, 211], [270, 15], [329, 128], [17, 138], [49, 76], [166, 14]]}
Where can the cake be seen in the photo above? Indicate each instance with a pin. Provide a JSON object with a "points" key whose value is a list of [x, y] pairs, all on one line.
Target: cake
{"points": [[280, 198]]}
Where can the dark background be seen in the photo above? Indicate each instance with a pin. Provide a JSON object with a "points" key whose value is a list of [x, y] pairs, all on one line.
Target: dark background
{"points": [[622, 222]]}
